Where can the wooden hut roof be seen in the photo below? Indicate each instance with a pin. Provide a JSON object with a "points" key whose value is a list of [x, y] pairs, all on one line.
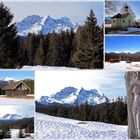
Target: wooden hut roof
{"points": [[13, 85]]}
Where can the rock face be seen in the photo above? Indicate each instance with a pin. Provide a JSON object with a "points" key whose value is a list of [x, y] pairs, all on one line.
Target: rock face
{"points": [[44, 25], [74, 96]]}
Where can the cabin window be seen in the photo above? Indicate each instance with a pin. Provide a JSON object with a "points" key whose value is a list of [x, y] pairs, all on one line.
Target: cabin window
{"points": [[113, 21], [123, 21]]}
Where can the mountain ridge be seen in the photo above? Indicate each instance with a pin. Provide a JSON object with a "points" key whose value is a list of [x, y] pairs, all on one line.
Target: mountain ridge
{"points": [[12, 117], [44, 25], [74, 96]]}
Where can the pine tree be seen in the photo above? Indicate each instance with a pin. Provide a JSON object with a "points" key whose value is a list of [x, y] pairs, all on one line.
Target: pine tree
{"points": [[39, 55], [53, 55], [8, 39], [89, 50]]}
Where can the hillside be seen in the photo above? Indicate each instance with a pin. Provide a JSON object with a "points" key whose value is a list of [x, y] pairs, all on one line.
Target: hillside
{"points": [[48, 127]]}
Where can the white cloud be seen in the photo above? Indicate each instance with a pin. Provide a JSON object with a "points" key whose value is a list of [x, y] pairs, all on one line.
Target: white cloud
{"points": [[20, 110]]}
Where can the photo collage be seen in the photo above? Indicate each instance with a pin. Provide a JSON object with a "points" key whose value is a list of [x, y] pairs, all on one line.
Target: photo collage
{"points": [[69, 69]]}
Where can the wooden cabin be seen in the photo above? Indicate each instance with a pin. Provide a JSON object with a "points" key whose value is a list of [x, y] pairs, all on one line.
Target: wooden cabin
{"points": [[17, 89]]}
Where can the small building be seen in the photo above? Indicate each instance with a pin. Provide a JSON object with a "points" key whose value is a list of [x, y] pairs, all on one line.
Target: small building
{"points": [[124, 19], [17, 89]]}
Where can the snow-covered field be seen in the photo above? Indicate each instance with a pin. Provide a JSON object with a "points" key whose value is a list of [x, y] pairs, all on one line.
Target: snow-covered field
{"points": [[122, 66], [39, 67], [20, 139], [49, 127], [130, 30], [15, 101], [15, 134]]}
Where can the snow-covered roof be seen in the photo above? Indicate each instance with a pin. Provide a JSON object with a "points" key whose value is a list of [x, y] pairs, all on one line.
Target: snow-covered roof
{"points": [[119, 15]]}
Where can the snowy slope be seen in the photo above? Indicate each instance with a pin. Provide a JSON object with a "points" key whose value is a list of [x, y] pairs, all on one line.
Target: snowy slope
{"points": [[44, 25], [49, 127], [74, 96], [122, 66], [48, 68]]}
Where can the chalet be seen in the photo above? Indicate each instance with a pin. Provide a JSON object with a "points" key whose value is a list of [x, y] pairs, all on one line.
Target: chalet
{"points": [[124, 19], [16, 89]]}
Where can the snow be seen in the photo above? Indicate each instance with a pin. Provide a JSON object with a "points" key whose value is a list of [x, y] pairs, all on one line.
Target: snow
{"points": [[122, 65], [49, 68], [14, 133], [49, 127], [130, 30], [9, 79], [15, 101], [20, 139], [36, 24], [74, 96], [108, 25], [11, 117]]}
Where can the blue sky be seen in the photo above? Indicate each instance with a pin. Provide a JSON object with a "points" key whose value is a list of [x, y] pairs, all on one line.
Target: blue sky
{"points": [[18, 75], [76, 11], [23, 111], [111, 83], [122, 44], [135, 6]]}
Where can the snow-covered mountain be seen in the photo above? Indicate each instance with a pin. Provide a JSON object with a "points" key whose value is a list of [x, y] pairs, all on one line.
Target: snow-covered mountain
{"points": [[9, 79], [74, 96], [6, 81], [11, 117], [44, 25]]}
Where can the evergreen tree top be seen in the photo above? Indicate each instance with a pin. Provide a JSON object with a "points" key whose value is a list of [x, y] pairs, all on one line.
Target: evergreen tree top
{"points": [[91, 19], [6, 16]]}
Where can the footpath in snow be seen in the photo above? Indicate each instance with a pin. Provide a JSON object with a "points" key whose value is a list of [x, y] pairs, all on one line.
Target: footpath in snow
{"points": [[51, 128]]}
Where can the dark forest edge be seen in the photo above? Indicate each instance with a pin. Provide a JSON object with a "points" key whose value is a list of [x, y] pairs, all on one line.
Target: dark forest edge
{"points": [[6, 126], [83, 49], [114, 112]]}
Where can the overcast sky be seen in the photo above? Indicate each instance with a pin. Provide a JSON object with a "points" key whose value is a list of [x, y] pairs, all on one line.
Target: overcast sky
{"points": [[23, 111], [76, 11], [111, 83]]}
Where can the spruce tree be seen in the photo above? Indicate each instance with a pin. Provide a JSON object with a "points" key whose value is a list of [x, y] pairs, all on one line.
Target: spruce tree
{"points": [[53, 55], [8, 39], [89, 49], [39, 55]]}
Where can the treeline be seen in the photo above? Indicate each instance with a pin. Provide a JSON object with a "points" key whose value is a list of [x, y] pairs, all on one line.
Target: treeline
{"points": [[6, 126], [115, 112], [123, 56], [81, 49]]}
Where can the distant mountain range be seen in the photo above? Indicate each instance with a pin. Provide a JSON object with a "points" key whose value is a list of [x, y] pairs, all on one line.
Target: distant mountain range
{"points": [[6, 81], [74, 96], [12, 117], [44, 25], [122, 56]]}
